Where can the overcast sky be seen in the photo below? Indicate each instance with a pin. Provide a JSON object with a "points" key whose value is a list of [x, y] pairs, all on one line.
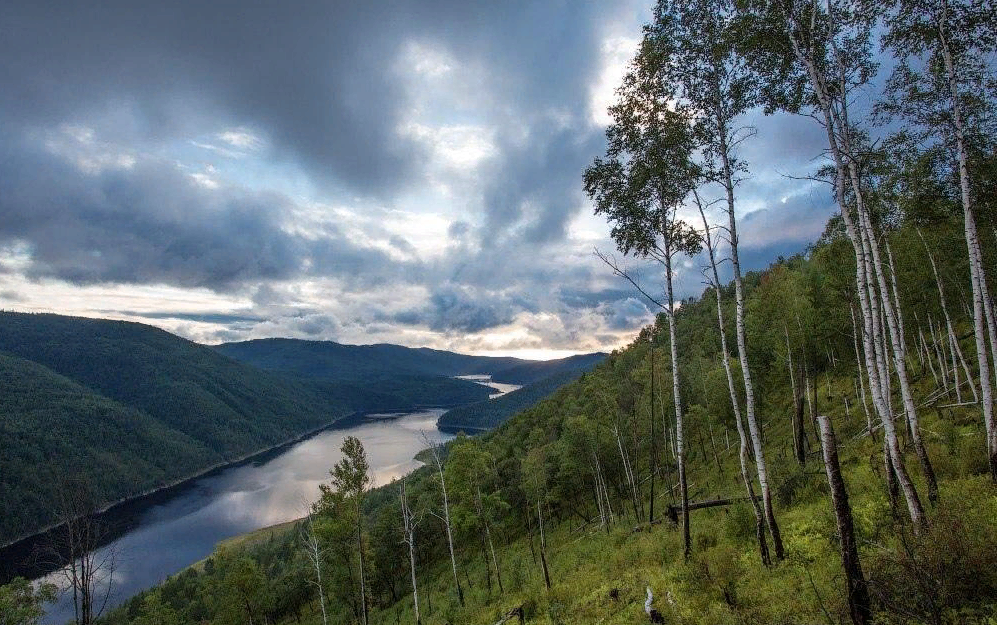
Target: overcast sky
{"points": [[365, 172]]}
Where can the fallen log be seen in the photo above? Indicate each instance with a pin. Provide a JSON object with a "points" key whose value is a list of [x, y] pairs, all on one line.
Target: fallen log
{"points": [[674, 511]]}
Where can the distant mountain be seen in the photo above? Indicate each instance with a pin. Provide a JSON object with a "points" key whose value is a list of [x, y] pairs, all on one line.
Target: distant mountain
{"points": [[328, 360], [335, 361], [132, 407], [485, 415], [528, 372]]}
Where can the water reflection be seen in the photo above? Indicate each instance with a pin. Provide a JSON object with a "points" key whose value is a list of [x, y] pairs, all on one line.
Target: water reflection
{"points": [[500, 387], [178, 533]]}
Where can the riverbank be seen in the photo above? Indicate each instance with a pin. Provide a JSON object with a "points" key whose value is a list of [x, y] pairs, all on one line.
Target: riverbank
{"points": [[19, 557]]}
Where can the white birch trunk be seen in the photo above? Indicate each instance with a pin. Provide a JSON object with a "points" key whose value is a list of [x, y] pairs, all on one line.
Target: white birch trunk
{"points": [[896, 338], [982, 306], [677, 398], [314, 553], [446, 522], [858, 363], [742, 351], [408, 527], [820, 89], [743, 450], [953, 341]]}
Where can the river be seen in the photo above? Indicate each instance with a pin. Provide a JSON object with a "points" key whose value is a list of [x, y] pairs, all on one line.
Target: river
{"points": [[173, 534]]}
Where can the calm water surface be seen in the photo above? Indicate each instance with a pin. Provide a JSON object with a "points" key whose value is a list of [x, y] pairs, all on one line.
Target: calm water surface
{"points": [[174, 535]]}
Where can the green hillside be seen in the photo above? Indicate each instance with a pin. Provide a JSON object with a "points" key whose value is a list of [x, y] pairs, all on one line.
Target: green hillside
{"points": [[45, 416], [530, 372], [485, 415], [130, 407]]}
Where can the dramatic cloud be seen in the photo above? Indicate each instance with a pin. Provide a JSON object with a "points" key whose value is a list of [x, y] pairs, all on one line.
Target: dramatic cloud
{"points": [[407, 171]]}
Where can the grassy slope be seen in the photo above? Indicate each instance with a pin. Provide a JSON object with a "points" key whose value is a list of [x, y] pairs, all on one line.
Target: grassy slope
{"points": [[586, 563], [724, 581], [954, 564]]}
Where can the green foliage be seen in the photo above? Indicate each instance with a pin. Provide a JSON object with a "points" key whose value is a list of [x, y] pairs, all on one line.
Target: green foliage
{"points": [[23, 604]]}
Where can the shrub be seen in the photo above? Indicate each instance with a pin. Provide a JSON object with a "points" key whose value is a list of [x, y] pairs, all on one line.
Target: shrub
{"points": [[949, 573]]}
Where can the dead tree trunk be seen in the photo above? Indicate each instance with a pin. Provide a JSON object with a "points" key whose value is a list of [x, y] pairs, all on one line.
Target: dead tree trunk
{"points": [[543, 547], [446, 518], [858, 591], [314, 554]]}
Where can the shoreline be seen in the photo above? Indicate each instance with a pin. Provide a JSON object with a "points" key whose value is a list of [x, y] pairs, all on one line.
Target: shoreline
{"points": [[17, 556]]}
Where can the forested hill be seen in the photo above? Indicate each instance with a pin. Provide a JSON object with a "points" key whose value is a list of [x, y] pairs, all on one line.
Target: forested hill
{"points": [[485, 415], [530, 372], [130, 407], [335, 361]]}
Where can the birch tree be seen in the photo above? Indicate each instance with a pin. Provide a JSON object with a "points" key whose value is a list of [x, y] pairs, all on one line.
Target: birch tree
{"points": [[437, 453], [746, 476], [690, 46], [639, 187], [939, 89], [409, 524], [812, 59]]}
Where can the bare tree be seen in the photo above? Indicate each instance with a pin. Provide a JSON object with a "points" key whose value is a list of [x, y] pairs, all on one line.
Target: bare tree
{"points": [[79, 541], [315, 554], [409, 523], [436, 451]]}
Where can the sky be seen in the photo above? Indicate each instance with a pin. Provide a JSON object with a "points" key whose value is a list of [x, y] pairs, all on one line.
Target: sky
{"points": [[403, 172]]}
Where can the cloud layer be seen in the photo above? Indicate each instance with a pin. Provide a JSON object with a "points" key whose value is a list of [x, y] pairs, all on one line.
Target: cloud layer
{"points": [[400, 171]]}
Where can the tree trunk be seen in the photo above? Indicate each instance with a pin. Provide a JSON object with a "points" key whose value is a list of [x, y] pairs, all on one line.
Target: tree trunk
{"points": [[742, 351], [953, 341], [446, 519], [676, 396], [982, 306], [869, 311], [363, 587], [858, 364], [746, 477], [409, 530], [654, 442], [543, 547], [858, 591], [315, 556], [896, 339]]}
